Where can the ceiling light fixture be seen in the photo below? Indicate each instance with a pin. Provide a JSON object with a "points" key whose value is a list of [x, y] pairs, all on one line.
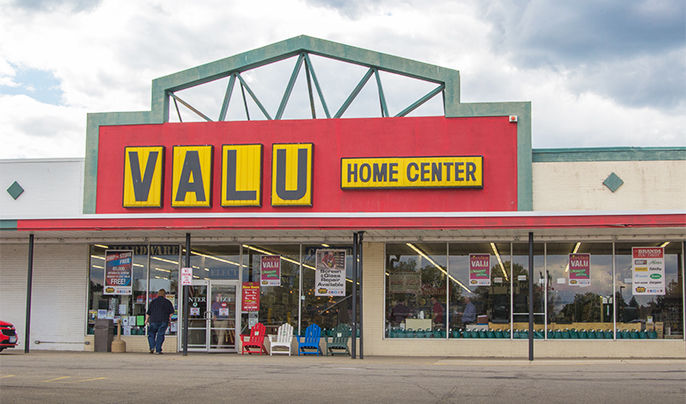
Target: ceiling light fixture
{"points": [[500, 261], [426, 257]]}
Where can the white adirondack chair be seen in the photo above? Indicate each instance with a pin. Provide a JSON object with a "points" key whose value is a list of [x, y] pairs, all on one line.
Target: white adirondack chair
{"points": [[283, 338]]}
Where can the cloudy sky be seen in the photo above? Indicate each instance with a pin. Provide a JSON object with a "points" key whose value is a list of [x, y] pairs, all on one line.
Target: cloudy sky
{"points": [[598, 73]]}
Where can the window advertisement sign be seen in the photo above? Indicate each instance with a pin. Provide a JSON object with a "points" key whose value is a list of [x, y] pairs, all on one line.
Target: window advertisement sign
{"points": [[648, 271], [118, 272], [329, 279], [579, 269], [480, 269], [270, 270], [405, 282], [251, 297]]}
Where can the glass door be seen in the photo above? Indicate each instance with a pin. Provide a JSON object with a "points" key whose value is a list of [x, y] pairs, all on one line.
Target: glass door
{"points": [[223, 316], [197, 316], [212, 315]]}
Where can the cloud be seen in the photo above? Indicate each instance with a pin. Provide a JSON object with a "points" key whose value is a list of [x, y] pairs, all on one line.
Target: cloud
{"points": [[50, 5], [644, 81], [542, 32], [104, 55], [350, 8], [30, 128], [634, 52]]}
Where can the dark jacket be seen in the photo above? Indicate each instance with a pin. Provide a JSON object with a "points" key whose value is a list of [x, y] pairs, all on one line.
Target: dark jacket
{"points": [[159, 310]]}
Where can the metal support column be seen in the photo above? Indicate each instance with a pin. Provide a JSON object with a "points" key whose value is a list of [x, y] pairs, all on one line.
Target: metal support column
{"points": [[185, 297], [29, 281], [531, 296], [360, 266], [353, 344]]}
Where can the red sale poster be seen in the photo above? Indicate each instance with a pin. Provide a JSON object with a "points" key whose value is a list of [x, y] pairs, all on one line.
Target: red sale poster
{"points": [[480, 269], [579, 269], [251, 297], [270, 270]]}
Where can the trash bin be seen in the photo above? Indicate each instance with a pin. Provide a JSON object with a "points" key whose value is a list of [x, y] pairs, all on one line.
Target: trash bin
{"points": [[104, 332]]}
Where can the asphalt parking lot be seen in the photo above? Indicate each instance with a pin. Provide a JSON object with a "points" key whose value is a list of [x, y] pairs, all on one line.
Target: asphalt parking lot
{"points": [[80, 377]]}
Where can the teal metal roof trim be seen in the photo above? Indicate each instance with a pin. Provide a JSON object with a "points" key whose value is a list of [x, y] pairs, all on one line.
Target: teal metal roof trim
{"points": [[8, 224], [609, 154]]}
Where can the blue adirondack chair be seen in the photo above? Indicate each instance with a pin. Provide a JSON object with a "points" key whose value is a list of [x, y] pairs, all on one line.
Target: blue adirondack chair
{"points": [[310, 344]]}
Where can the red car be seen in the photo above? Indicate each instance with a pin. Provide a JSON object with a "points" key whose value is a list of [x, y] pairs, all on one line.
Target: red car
{"points": [[8, 335]]}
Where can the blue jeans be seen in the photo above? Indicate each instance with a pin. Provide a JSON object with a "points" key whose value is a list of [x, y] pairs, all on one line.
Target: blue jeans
{"points": [[156, 335]]}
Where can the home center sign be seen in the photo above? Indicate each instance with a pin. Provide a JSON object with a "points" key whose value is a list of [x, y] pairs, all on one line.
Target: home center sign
{"points": [[327, 165]]}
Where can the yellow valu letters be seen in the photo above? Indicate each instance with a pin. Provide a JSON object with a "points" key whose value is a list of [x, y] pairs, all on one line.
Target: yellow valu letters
{"points": [[191, 176], [143, 169], [292, 174], [412, 172], [241, 175]]}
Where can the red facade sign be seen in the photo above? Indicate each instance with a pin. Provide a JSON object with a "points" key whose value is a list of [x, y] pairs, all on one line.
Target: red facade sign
{"points": [[494, 138]]}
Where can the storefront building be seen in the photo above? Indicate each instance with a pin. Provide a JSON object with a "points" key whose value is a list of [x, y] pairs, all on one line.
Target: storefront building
{"points": [[445, 206]]}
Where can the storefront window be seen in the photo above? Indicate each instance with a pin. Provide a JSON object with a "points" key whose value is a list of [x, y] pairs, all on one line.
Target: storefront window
{"points": [[644, 315], [579, 290], [416, 290], [480, 302], [129, 308], [278, 302], [325, 311], [164, 274], [215, 262]]}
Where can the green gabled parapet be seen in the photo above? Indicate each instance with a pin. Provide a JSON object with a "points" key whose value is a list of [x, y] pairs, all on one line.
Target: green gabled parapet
{"points": [[447, 79]]}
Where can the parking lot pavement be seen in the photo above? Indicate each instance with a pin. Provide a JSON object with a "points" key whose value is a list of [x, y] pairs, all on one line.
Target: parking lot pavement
{"points": [[76, 377]]}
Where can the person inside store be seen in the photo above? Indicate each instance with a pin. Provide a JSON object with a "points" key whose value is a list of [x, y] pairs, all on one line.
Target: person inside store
{"points": [[157, 318], [399, 312], [469, 312], [437, 312]]}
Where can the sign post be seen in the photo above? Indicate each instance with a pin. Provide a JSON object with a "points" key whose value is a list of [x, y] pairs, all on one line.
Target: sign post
{"points": [[185, 297], [186, 276], [531, 296]]}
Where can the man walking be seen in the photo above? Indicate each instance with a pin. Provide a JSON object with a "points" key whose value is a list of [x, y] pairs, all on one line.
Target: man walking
{"points": [[158, 318]]}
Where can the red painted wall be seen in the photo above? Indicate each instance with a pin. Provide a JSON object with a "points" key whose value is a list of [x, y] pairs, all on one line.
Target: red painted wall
{"points": [[492, 137]]}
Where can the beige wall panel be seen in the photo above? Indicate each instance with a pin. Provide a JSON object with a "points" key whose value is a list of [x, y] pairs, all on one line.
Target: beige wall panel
{"points": [[58, 308], [648, 185], [373, 319]]}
